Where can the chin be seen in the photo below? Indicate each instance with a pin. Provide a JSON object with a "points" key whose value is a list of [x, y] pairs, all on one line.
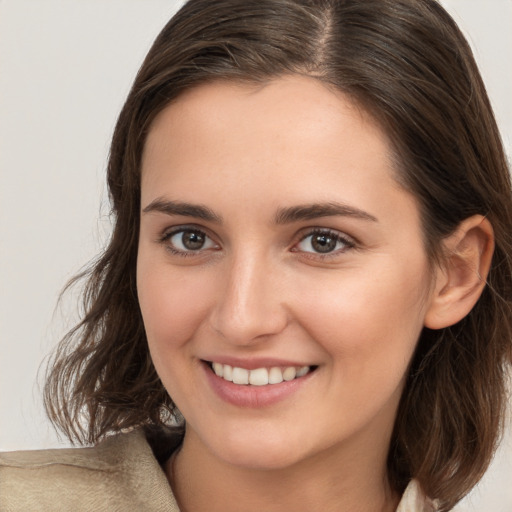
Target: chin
{"points": [[257, 451], [261, 459]]}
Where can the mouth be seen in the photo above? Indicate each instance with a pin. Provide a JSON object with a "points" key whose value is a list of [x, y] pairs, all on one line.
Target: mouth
{"points": [[259, 376]]}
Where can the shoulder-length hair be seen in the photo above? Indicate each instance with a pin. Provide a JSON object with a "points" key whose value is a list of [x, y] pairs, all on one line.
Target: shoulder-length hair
{"points": [[407, 64]]}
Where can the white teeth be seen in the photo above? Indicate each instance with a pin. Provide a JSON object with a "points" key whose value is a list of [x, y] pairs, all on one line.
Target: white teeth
{"points": [[240, 375], [218, 369], [259, 376], [227, 372], [289, 373], [302, 371], [275, 376]]}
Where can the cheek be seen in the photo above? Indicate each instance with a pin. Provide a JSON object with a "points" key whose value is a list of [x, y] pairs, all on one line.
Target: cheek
{"points": [[172, 304], [368, 328], [367, 317]]}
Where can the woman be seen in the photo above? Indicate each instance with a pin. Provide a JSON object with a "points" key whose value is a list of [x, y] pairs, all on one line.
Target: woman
{"points": [[309, 273]]}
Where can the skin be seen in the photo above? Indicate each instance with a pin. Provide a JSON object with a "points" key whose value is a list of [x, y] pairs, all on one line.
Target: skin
{"points": [[258, 289]]}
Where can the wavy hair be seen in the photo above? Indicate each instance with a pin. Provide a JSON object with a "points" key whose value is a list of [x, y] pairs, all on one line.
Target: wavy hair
{"points": [[408, 65]]}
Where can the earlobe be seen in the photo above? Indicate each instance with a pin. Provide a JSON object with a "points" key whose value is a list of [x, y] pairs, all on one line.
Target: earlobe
{"points": [[461, 276]]}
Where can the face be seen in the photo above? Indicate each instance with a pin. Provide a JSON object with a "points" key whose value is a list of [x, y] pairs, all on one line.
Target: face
{"points": [[281, 272]]}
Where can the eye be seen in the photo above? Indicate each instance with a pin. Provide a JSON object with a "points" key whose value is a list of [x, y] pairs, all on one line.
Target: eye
{"points": [[324, 242], [185, 241]]}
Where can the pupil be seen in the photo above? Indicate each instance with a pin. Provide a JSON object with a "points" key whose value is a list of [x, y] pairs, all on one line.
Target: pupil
{"points": [[192, 240], [323, 243]]}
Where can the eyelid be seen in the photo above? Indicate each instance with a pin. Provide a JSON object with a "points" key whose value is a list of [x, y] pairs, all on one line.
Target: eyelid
{"points": [[349, 241], [172, 230], [169, 232]]}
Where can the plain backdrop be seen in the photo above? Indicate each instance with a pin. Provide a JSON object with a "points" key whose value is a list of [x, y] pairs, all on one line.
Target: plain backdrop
{"points": [[65, 69]]}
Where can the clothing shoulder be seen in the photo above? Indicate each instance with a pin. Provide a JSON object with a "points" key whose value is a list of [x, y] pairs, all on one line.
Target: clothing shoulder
{"points": [[120, 473]]}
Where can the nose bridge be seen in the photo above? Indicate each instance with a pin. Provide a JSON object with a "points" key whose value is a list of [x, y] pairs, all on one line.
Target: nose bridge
{"points": [[250, 305]]}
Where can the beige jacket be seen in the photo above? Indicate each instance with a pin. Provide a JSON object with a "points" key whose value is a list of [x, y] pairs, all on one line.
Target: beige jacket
{"points": [[119, 474]]}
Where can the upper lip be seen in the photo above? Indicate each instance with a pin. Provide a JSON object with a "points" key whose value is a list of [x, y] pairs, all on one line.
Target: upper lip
{"points": [[254, 363]]}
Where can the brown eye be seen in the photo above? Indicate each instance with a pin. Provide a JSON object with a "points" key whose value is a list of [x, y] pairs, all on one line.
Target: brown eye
{"points": [[192, 240], [324, 242], [189, 240]]}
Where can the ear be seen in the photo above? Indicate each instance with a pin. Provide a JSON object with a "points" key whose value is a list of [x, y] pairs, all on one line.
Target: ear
{"points": [[461, 276]]}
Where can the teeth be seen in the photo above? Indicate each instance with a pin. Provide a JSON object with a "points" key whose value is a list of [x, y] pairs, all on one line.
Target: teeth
{"points": [[240, 375], [302, 371], [218, 369], [275, 376], [289, 373], [259, 376], [227, 372]]}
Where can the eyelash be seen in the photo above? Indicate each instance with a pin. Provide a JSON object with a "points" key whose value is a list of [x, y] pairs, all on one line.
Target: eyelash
{"points": [[348, 242], [165, 238]]}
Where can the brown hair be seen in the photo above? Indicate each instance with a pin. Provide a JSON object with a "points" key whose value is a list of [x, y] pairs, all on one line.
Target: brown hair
{"points": [[408, 65]]}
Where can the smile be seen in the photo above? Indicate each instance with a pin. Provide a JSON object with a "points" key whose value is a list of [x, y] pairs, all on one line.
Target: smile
{"points": [[259, 376], [263, 384]]}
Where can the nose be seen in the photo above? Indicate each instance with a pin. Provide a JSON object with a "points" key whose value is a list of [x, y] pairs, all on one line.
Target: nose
{"points": [[250, 305]]}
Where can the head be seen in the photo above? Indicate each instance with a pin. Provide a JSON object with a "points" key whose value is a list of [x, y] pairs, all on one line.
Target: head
{"points": [[405, 65]]}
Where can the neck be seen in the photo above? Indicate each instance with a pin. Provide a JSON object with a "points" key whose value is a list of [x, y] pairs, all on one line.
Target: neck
{"points": [[344, 480]]}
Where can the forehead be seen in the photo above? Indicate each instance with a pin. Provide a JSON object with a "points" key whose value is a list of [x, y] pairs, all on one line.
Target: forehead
{"points": [[272, 125]]}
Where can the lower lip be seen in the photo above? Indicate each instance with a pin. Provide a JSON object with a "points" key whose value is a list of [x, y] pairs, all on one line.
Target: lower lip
{"points": [[253, 396]]}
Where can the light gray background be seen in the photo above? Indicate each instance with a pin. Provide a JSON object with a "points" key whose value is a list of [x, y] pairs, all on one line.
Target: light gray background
{"points": [[65, 69]]}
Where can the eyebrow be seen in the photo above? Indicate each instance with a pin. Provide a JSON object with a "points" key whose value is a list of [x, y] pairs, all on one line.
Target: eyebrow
{"points": [[197, 211], [283, 215], [313, 211]]}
